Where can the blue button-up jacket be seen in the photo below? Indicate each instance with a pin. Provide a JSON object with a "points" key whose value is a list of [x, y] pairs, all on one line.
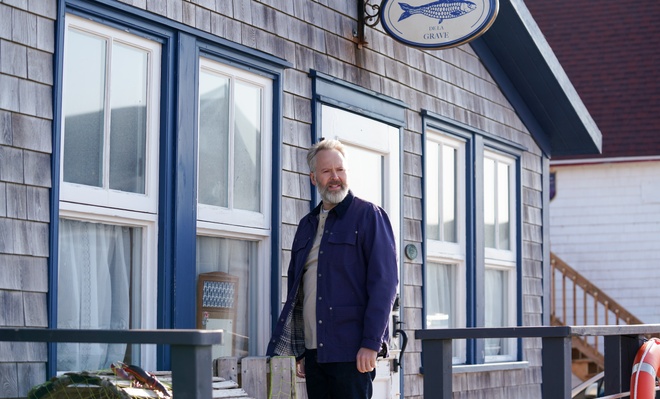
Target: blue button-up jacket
{"points": [[357, 280]]}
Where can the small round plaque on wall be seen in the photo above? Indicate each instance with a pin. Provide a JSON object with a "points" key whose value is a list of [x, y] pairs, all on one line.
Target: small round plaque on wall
{"points": [[411, 251]]}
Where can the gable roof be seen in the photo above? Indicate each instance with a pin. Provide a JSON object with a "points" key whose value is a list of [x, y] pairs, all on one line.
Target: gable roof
{"points": [[610, 52], [521, 61]]}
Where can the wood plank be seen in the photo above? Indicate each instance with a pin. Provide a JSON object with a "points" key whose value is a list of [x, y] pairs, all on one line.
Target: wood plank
{"points": [[254, 376], [283, 377], [226, 367], [230, 393]]}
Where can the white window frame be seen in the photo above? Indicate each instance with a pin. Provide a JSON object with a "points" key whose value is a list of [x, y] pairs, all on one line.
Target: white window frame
{"points": [[105, 197], [505, 260], [259, 334], [238, 224], [103, 205], [453, 252], [506, 255], [149, 266], [239, 217], [443, 248]]}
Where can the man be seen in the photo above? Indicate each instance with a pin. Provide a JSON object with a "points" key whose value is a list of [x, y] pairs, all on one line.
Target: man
{"points": [[342, 281]]}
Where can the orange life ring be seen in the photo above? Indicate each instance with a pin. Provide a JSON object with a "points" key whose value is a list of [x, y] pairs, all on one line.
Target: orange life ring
{"points": [[645, 369]]}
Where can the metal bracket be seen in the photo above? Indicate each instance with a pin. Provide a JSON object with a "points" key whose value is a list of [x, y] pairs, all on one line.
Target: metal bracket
{"points": [[368, 15]]}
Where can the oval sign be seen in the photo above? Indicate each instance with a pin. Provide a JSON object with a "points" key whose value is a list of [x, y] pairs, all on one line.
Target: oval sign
{"points": [[437, 24]]}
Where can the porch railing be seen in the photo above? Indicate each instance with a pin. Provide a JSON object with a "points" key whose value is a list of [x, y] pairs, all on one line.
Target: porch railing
{"points": [[191, 355], [621, 344]]}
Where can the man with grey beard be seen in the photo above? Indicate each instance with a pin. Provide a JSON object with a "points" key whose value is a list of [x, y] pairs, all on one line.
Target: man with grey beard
{"points": [[342, 281]]}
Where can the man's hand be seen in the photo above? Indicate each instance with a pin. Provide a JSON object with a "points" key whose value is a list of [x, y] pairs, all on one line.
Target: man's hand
{"points": [[366, 360], [300, 368]]}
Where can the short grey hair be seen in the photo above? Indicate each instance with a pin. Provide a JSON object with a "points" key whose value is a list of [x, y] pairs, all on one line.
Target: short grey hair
{"points": [[320, 146]]}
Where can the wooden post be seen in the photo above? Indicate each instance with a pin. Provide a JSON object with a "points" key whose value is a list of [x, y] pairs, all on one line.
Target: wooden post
{"points": [[227, 368], [556, 374], [436, 362], [620, 351], [254, 376], [282, 377]]}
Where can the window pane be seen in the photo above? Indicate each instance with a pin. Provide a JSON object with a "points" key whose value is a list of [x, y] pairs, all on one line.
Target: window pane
{"points": [[213, 140], [368, 182], [503, 205], [128, 122], [496, 308], [247, 148], [433, 190], [99, 287], [441, 296], [449, 193], [237, 258], [489, 203], [83, 102]]}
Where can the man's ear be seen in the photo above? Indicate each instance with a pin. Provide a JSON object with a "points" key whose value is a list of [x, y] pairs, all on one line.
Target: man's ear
{"points": [[312, 177]]}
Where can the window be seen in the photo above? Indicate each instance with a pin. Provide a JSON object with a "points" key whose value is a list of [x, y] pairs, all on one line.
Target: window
{"points": [[233, 224], [500, 270], [470, 177], [166, 171], [445, 231], [108, 190], [234, 143]]}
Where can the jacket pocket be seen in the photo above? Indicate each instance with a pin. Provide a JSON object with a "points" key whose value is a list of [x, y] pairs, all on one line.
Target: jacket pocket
{"points": [[347, 324]]}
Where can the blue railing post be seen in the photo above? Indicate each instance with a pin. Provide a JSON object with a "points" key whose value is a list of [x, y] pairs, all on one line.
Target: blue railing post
{"points": [[620, 351], [556, 374], [437, 364], [192, 363]]}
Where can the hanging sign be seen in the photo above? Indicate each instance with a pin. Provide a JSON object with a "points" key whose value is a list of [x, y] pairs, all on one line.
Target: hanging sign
{"points": [[437, 24]]}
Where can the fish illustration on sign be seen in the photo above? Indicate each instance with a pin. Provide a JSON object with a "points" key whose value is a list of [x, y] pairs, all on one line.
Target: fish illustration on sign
{"points": [[440, 10]]}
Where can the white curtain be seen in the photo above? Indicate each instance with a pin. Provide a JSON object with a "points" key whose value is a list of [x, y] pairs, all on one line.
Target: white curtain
{"points": [[93, 290], [233, 257], [495, 308], [440, 296]]}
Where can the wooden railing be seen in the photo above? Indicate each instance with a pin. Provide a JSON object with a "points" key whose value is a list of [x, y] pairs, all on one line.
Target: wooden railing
{"points": [[621, 344], [578, 302], [191, 350]]}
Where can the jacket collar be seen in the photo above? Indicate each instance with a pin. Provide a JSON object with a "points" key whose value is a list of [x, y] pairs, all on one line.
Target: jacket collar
{"points": [[340, 209]]}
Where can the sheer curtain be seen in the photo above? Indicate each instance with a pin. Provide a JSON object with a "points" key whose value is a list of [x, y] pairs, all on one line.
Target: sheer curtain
{"points": [[440, 296], [94, 281], [495, 308], [233, 257]]}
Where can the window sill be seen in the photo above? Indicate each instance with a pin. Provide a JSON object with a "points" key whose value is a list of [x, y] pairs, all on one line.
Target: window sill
{"points": [[480, 368]]}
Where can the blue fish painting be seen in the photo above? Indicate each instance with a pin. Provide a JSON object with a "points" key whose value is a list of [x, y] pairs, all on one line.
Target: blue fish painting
{"points": [[440, 10]]}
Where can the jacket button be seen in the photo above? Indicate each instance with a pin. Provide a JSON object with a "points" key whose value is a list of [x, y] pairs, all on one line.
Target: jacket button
{"points": [[320, 298], [320, 321], [321, 345]]}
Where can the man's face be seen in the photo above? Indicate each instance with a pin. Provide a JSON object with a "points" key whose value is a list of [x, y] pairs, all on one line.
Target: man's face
{"points": [[330, 177]]}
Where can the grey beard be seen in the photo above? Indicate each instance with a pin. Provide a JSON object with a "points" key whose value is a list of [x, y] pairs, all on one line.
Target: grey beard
{"points": [[334, 197]]}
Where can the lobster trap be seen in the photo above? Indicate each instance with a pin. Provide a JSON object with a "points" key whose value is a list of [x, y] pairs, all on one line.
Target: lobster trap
{"points": [[98, 385]]}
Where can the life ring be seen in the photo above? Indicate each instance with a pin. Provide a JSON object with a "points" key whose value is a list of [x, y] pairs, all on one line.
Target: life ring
{"points": [[645, 369]]}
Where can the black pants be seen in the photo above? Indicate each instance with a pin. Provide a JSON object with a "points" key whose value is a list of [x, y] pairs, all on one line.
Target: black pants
{"points": [[336, 380]]}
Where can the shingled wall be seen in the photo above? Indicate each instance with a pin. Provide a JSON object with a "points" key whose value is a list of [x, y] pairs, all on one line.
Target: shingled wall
{"points": [[27, 37]]}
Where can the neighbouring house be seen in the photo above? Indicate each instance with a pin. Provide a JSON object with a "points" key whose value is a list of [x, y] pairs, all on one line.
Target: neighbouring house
{"points": [[605, 216], [147, 146]]}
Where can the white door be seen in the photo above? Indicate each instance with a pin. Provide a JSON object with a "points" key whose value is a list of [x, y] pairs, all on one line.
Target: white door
{"points": [[373, 161]]}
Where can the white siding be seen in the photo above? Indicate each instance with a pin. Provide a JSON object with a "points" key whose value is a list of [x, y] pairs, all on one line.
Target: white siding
{"points": [[605, 223]]}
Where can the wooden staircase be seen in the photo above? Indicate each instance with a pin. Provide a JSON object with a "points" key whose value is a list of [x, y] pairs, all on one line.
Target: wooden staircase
{"points": [[576, 301]]}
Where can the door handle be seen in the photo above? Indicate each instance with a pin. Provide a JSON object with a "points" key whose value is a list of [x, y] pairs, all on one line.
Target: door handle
{"points": [[396, 363]]}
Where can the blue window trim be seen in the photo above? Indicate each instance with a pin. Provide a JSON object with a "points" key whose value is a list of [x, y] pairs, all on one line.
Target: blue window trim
{"points": [[477, 141], [182, 46]]}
